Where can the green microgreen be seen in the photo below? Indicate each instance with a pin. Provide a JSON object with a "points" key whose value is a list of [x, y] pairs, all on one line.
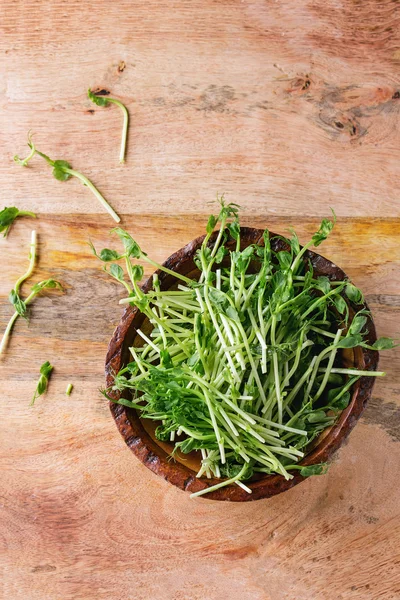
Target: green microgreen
{"points": [[62, 171], [45, 371], [242, 364], [309, 471], [20, 305], [105, 101]]}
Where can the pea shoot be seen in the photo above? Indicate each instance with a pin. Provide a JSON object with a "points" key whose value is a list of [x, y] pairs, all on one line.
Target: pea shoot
{"points": [[244, 363], [20, 305], [41, 388], [62, 171], [105, 101]]}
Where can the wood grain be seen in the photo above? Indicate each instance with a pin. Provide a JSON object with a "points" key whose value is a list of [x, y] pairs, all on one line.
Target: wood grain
{"points": [[287, 107]]}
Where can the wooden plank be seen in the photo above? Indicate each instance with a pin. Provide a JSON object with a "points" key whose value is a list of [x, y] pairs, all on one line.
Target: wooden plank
{"points": [[81, 511], [287, 108], [211, 112]]}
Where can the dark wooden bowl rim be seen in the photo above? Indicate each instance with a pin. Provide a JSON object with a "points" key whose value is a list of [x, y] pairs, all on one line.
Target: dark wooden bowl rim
{"points": [[156, 459]]}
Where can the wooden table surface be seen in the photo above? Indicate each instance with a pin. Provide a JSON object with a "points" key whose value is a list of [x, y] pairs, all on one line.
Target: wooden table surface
{"points": [[286, 107]]}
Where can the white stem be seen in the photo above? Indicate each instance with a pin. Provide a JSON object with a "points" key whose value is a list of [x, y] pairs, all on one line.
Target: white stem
{"points": [[32, 258], [95, 191], [7, 332], [244, 487]]}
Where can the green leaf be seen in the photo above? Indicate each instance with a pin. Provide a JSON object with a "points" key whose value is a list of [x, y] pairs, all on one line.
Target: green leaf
{"points": [[324, 230], [332, 393], [59, 170], [60, 174], [324, 285], [340, 304], [267, 245], [7, 218], [221, 253], [193, 360], [46, 369], [384, 343], [354, 294], [162, 433], [319, 469], [62, 164], [234, 229], [230, 470], [190, 444], [41, 387], [19, 305], [357, 324], [107, 255], [216, 296], [294, 242], [259, 251], [48, 283], [343, 401], [137, 272], [242, 259], [99, 100], [212, 221], [232, 313], [227, 211], [316, 416], [248, 252], [132, 367], [350, 341], [117, 272], [121, 401], [132, 249], [335, 379], [166, 361], [285, 259]]}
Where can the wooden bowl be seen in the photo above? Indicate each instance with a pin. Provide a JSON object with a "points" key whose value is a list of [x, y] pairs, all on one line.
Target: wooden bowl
{"points": [[139, 433]]}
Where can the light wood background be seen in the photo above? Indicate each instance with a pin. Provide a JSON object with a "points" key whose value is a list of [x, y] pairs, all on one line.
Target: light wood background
{"points": [[287, 107]]}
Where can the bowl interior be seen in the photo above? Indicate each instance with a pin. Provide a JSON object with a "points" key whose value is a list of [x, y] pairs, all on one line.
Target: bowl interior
{"points": [[139, 433]]}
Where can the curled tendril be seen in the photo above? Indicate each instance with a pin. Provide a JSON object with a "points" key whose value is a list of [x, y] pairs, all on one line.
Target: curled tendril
{"points": [[23, 162]]}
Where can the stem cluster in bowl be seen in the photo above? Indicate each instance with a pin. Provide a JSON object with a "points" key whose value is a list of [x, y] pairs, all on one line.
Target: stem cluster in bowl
{"points": [[242, 364]]}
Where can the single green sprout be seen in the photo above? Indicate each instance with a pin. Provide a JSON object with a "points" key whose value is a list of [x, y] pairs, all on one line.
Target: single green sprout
{"points": [[69, 389], [309, 471], [45, 371], [62, 171], [105, 101], [21, 306]]}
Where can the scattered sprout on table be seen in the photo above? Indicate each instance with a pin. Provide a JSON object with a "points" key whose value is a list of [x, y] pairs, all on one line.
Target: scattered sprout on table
{"points": [[105, 101], [63, 171], [20, 305], [45, 371]]}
